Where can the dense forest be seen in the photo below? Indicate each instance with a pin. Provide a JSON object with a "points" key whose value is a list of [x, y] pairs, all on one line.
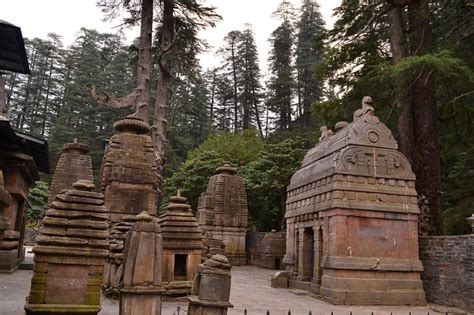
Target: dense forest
{"points": [[414, 57]]}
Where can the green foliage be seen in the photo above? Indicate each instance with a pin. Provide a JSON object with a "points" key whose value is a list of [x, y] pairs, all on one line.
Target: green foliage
{"points": [[266, 180], [39, 201], [458, 197], [193, 175]]}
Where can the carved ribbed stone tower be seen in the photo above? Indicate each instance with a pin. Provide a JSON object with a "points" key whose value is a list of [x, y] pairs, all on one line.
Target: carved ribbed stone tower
{"points": [[74, 164], [130, 186], [222, 211]]}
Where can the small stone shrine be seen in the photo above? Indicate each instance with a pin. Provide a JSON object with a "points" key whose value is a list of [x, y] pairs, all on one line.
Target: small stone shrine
{"points": [[70, 254], [182, 246], [352, 218], [5, 201], [74, 164], [222, 210], [130, 186], [273, 250], [211, 288], [141, 291]]}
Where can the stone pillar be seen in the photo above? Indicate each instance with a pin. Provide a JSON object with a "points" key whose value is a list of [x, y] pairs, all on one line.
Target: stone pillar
{"points": [[70, 254], [5, 201], [74, 164], [130, 185], [20, 173], [318, 255], [141, 291], [211, 288], [300, 253]]}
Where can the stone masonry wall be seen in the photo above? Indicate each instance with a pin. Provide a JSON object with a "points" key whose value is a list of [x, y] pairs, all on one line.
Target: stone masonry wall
{"points": [[253, 246], [448, 274]]}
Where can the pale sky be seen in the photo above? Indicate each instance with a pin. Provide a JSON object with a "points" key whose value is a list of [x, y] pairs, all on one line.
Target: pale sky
{"points": [[37, 18]]}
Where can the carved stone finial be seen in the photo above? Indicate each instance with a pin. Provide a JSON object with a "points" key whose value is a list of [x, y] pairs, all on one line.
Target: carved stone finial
{"points": [[340, 125], [132, 124], [367, 108], [325, 133], [227, 168]]}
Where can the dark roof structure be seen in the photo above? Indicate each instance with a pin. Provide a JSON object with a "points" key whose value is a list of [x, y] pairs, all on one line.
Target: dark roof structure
{"points": [[31, 145], [12, 49]]}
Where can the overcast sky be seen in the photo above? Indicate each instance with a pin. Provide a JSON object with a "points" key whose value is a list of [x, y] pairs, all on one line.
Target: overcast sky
{"points": [[37, 18]]}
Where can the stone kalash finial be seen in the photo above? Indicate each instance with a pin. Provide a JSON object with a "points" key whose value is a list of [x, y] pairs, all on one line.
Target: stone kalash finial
{"points": [[74, 164], [366, 108], [211, 287], [70, 254], [325, 133], [129, 181], [5, 201], [141, 291], [222, 210], [182, 246]]}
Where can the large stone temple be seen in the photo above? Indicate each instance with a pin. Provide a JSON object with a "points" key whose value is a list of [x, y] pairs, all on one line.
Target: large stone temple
{"points": [[130, 186], [351, 217], [222, 212]]}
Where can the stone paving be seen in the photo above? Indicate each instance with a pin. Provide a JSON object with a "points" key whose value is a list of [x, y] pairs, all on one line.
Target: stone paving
{"points": [[250, 290]]}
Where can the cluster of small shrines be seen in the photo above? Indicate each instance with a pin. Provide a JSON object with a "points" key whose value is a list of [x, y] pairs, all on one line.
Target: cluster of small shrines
{"points": [[351, 226]]}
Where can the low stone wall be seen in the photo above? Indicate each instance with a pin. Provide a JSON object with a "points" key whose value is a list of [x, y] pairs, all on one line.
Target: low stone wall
{"points": [[448, 276], [266, 249]]}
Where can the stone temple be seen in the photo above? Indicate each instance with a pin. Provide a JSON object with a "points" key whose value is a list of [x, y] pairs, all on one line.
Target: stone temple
{"points": [[182, 246], [130, 186], [351, 217], [222, 211], [74, 164]]}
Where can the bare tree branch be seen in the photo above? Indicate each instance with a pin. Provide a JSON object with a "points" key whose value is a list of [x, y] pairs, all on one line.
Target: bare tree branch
{"points": [[115, 102]]}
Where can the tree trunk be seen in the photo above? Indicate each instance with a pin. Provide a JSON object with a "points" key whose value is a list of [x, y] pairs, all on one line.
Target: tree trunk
{"points": [[234, 74], [426, 159], [144, 61], [164, 88]]}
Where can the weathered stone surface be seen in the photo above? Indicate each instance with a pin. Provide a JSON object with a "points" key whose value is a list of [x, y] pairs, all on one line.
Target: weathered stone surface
{"points": [[211, 288], [212, 246], [280, 279], [182, 246], [141, 291], [19, 174], [222, 211], [73, 164], [130, 185], [266, 249], [5, 200], [69, 258], [448, 273], [351, 217]]}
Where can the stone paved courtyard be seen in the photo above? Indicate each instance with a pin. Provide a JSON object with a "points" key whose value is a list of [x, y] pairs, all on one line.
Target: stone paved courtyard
{"points": [[250, 290]]}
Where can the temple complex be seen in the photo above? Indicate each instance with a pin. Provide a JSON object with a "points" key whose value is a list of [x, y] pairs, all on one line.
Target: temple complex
{"points": [[352, 218], [70, 254], [182, 246], [73, 164], [130, 186], [222, 211], [21, 157]]}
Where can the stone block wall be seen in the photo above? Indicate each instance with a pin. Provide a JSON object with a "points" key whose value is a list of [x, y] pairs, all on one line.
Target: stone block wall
{"points": [[253, 246], [448, 274]]}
